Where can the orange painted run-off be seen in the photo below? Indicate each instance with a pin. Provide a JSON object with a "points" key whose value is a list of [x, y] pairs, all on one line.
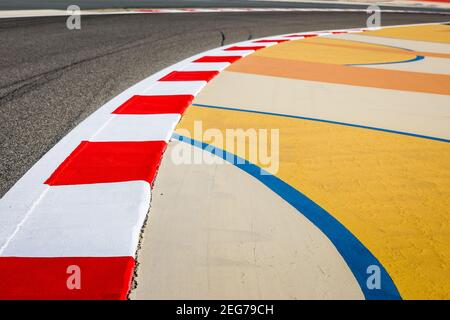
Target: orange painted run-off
{"points": [[374, 48], [357, 76]]}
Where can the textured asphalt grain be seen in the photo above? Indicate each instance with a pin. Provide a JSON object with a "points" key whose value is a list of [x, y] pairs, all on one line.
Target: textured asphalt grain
{"points": [[102, 4], [52, 78]]}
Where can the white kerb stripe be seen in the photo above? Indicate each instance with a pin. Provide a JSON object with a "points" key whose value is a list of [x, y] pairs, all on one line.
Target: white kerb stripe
{"points": [[205, 66], [221, 52], [148, 127], [91, 220], [174, 87], [252, 43]]}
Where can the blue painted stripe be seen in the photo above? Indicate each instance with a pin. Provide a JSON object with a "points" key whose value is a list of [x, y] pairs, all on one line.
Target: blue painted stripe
{"points": [[355, 254], [378, 44], [417, 58], [322, 120]]}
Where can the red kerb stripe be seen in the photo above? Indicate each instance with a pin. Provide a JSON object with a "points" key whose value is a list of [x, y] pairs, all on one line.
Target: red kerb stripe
{"points": [[229, 59], [267, 40], [48, 278], [102, 162], [303, 35], [189, 76], [237, 48], [155, 104]]}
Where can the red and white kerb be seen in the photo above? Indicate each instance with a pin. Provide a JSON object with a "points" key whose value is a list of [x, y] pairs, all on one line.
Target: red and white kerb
{"points": [[84, 203]]}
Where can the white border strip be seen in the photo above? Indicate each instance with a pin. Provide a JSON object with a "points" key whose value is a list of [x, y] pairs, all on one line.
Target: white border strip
{"points": [[55, 13]]}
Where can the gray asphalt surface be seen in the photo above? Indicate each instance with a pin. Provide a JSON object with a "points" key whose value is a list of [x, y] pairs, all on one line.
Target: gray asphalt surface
{"points": [[99, 4], [52, 78]]}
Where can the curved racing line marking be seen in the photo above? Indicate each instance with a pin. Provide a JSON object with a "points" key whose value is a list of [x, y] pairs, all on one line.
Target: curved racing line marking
{"points": [[417, 58], [355, 254], [323, 120]]}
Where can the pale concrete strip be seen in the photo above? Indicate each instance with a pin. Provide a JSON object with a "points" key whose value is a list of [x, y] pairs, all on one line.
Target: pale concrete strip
{"points": [[386, 3], [427, 65], [32, 13], [215, 232], [56, 13], [419, 113], [398, 43]]}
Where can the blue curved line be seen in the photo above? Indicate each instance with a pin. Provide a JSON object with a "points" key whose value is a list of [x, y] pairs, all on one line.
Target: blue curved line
{"points": [[379, 44], [355, 254], [417, 58], [325, 121]]}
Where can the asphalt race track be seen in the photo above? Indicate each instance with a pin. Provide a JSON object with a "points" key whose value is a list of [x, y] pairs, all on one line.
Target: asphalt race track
{"points": [[100, 4], [52, 78]]}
